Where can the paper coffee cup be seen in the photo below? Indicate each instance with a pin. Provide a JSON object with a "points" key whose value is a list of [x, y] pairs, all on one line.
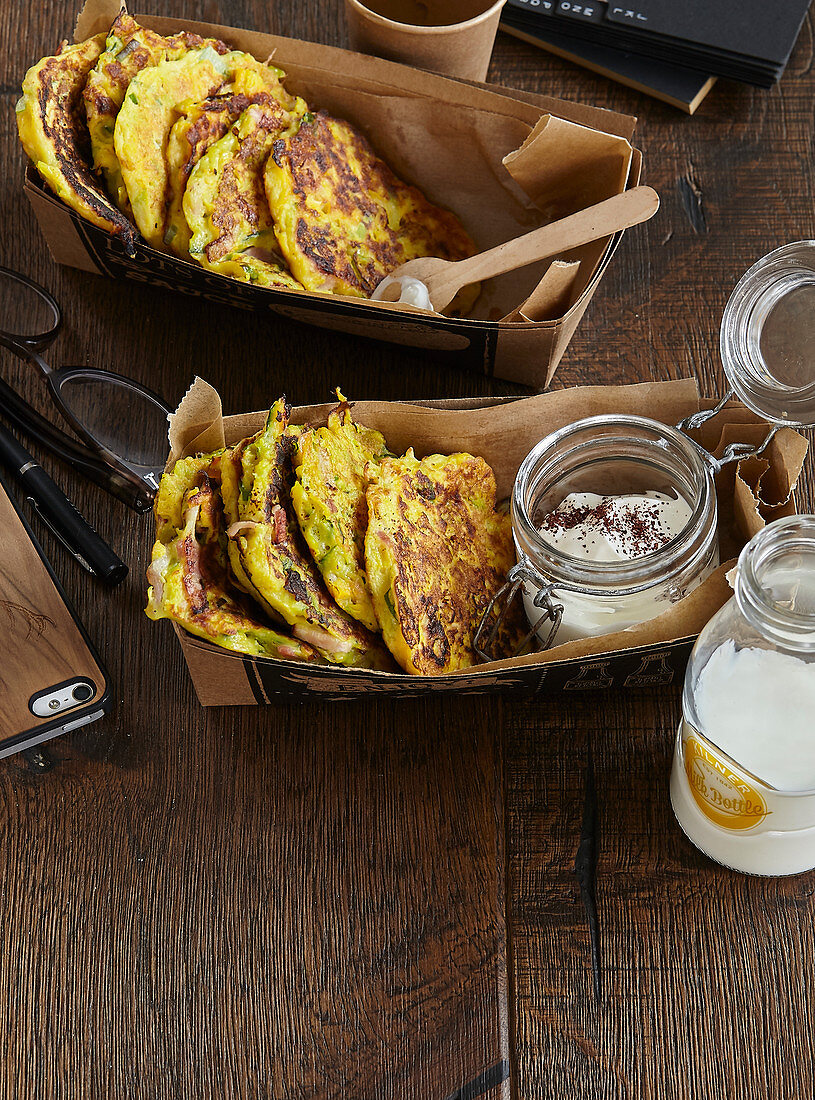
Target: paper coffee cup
{"points": [[453, 37]]}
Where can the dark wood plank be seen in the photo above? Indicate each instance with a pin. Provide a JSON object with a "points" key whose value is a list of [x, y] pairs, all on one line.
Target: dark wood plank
{"points": [[182, 904], [257, 908], [704, 970]]}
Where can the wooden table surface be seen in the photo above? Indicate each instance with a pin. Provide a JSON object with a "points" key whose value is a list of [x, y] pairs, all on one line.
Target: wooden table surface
{"points": [[376, 899]]}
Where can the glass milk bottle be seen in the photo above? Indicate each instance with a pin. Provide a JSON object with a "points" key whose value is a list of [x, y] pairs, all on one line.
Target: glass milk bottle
{"points": [[743, 776]]}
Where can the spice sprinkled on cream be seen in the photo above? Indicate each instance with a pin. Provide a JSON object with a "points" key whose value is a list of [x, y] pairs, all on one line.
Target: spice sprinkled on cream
{"points": [[614, 528]]}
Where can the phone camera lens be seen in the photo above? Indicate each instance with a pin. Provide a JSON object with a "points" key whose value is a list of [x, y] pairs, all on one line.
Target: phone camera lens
{"points": [[82, 692]]}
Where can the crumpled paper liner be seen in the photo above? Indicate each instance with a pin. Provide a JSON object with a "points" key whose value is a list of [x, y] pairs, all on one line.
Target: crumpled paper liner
{"points": [[197, 425], [753, 491], [750, 493], [501, 432]]}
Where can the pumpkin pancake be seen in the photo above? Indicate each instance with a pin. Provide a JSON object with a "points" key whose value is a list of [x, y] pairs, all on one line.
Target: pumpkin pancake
{"points": [[199, 126], [129, 49], [329, 500], [343, 219], [225, 204], [267, 552], [144, 121], [167, 506], [53, 132], [236, 476], [189, 582], [436, 552]]}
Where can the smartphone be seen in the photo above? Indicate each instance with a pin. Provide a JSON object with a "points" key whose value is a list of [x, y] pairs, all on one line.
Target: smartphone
{"points": [[51, 678]]}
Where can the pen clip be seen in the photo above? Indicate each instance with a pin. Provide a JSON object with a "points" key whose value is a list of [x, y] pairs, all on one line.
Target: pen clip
{"points": [[60, 537]]}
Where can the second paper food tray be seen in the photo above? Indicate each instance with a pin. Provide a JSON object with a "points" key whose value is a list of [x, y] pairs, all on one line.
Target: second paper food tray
{"points": [[503, 432]]}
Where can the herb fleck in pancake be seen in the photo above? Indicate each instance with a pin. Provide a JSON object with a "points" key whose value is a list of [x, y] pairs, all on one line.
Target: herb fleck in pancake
{"points": [[436, 552], [329, 499], [52, 129], [343, 219]]}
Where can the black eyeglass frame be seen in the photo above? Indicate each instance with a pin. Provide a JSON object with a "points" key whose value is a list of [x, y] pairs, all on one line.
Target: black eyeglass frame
{"points": [[89, 457]]}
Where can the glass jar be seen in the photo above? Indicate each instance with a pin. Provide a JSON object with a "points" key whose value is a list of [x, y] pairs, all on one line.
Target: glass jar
{"points": [[743, 776], [612, 455], [767, 338]]}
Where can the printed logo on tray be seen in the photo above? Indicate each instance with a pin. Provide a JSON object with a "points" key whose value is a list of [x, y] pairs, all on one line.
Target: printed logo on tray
{"points": [[592, 674], [725, 797], [268, 679], [653, 670]]}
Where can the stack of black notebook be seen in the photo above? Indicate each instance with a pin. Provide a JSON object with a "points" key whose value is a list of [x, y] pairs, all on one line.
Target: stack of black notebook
{"points": [[745, 40]]}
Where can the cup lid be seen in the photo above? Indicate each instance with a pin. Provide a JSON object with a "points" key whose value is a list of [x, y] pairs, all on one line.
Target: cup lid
{"points": [[767, 338]]}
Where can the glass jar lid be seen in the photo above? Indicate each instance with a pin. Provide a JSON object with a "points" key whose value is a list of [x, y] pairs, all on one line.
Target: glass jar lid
{"points": [[767, 337]]}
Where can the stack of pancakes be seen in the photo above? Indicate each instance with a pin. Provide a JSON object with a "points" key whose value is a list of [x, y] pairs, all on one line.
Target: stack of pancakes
{"points": [[316, 543], [203, 151]]}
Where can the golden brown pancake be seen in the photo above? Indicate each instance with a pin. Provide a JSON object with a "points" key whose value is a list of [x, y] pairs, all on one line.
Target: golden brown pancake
{"points": [[343, 219], [436, 552], [189, 582], [225, 204], [143, 125], [167, 506], [50, 120], [129, 49], [268, 555], [199, 126], [329, 500]]}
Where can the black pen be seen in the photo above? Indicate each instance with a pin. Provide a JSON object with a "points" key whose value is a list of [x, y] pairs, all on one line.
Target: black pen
{"points": [[59, 514]]}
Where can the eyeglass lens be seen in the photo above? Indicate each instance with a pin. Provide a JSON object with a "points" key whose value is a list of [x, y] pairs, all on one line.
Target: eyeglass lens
{"points": [[24, 311], [117, 414]]}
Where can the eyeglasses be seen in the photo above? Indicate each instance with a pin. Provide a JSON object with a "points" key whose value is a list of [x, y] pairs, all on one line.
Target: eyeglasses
{"points": [[121, 425]]}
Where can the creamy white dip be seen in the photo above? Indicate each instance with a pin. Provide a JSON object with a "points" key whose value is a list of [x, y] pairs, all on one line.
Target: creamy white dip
{"points": [[591, 527], [413, 292], [614, 528]]}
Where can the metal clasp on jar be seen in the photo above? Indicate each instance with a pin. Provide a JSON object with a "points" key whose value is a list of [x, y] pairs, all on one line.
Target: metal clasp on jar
{"points": [[499, 605], [733, 452]]}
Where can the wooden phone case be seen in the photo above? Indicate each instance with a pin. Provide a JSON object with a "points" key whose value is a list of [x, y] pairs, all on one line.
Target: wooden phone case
{"points": [[43, 640]]}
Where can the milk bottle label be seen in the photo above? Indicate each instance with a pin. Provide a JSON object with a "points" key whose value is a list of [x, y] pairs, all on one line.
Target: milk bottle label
{"points": [[727, 798]]}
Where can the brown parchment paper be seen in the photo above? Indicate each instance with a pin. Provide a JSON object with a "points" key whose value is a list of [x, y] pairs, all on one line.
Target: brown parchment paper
{"points": [[749, 493], [756, 490], [502, 165]]}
